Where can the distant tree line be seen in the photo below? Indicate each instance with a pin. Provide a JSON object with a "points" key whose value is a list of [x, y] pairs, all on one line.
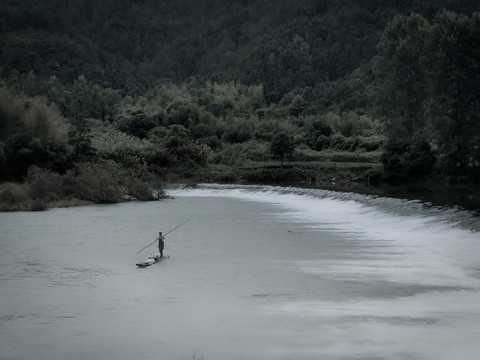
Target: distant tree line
{"points": [[133, 45], [145, 87]]}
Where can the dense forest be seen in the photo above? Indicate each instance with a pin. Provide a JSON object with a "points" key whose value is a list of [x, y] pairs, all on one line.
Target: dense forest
{"points": [[99, 99]]}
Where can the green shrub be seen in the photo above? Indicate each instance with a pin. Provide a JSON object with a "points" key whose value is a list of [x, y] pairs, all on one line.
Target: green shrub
{"points": [[323, 142], [402, 159], [109, 182], [45, 185], [371, 143], [99, 182], [317, 133], [200, 131], [198, 153], [14, 197], [138, 125], [338, 142], [211, 141], [350, 123], [120, 147], [263, 134], [256, 151], [156, 133], [238, 133]]}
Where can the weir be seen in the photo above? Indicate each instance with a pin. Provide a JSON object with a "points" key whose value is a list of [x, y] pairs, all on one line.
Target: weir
{"points": [[259, 272]]}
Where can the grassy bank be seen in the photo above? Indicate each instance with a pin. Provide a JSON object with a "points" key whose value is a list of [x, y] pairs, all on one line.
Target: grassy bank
{"points": [[306, 166], [109, 182]]}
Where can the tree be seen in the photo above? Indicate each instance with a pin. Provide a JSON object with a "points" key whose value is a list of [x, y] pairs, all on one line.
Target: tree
{"points": [[138, 125], [176, 138], [412, 159], [455, 84], [430, 80], [419, 158], [31, 133], [107, 99], [402, 68], [318, 135], [297, 106], [281, 146]]}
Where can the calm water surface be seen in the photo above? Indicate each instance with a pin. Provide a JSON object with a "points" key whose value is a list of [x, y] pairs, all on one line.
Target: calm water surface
{"points": [[257, 273]]}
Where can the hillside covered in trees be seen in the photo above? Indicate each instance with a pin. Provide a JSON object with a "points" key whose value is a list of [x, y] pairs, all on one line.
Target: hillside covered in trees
{"points": [[209, 89]]}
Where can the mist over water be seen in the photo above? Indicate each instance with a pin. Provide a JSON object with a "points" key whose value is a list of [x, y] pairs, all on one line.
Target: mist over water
{"points": [[258, 272]]}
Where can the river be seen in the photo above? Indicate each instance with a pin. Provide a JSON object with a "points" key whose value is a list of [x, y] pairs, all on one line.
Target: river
{"points": [[258, 272]]}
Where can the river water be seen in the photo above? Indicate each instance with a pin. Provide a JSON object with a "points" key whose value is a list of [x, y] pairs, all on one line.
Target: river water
{"points": [[257, 272]]}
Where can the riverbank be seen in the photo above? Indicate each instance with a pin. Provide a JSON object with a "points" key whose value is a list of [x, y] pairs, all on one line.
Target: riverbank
{"points": [[358, 177], [306, 167], [19, 197], [346, 176]]}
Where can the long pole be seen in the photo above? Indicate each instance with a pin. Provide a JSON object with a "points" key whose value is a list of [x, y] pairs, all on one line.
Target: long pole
{"points": [[176, 227]]}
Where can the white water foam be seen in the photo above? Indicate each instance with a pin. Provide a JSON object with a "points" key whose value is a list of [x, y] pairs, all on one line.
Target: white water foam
{"points": [[420, 245], [410, 272], [258, 273]]}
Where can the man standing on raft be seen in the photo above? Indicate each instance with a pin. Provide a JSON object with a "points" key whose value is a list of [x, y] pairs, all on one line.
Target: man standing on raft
{"points": [[161, 244]]}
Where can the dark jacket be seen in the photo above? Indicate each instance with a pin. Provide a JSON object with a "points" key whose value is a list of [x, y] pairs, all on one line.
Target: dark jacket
{"points": [[161, 242]]}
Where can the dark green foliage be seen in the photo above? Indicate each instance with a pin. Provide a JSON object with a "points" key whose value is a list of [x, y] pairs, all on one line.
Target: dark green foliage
{"points": [[408, 159], [80, 141], [297, 106], [132, 45], [32, 133], [322, 142], [48, 51], [84, 99], [404, 71], [455, 105], [318, 135], [238, 133], [393, 160], [281, 146], [45, 185], [139, 155], [340, 142], [14, 197], [198, 82], [182, 113], [99, 182], [419, 158], [179, 143], [371, 143], [138, 125], [430, 76], [177, 136], [201, 131], [104, 181]]}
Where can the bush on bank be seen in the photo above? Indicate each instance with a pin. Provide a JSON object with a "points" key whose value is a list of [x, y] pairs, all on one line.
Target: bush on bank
{"points": [[102, 182]]}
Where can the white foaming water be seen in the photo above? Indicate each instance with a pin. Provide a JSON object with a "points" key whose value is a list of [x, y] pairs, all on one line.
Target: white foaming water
{"points": [[420, 267], [258, 272], [418, 242]]}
